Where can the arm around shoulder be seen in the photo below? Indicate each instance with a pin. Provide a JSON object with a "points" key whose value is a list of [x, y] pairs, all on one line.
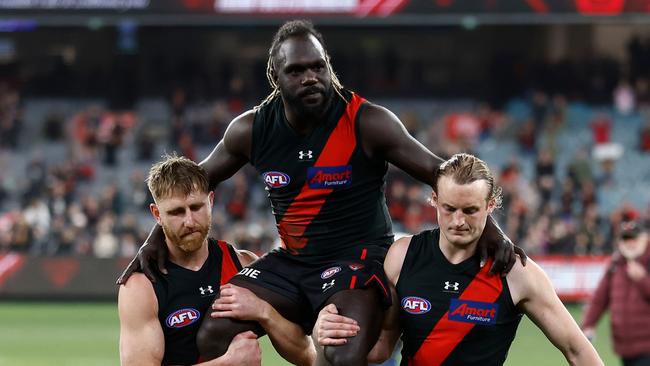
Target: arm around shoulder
{"points": [[384, 136], [534, 294], [233, 151]]}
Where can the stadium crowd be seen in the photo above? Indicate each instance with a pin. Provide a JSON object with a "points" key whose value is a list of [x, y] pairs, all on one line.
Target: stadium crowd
{"points": [[94, 201]]}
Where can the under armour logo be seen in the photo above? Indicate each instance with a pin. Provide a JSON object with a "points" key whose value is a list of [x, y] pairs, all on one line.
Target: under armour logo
{"points": [[451, 286], [302, 155], [206, 290], [328, 285]]}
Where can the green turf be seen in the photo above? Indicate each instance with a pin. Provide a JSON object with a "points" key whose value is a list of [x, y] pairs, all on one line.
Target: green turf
{"points": [[87, 334]]}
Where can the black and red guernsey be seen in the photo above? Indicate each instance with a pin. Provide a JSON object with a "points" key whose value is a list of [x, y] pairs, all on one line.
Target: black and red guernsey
{"points": [[184, 297], [452, 314], [326, 194]]}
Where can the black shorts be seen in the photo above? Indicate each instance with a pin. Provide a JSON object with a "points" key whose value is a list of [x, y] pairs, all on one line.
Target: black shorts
{"points": [[311, 283]]}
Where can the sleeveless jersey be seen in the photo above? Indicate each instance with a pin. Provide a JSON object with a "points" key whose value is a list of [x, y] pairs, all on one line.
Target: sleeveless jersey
{"points": [[326, 194], [452, 314], [184, 296]]}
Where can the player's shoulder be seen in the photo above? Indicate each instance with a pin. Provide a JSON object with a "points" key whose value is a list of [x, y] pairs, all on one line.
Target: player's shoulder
{"points": [[136, 283], [395, 258], [136, 293], [525, 281], [373, 111], [242, 123], [246, 257]]}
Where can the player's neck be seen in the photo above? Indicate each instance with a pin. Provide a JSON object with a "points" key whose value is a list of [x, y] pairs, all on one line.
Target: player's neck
{"points": [[190, 260], [456, 253]]}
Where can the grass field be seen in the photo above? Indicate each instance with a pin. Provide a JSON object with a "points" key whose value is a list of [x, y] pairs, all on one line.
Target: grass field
{"points": [[72, 334]]}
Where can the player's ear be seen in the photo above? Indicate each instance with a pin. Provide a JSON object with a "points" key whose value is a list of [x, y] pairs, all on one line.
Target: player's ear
{"points": [[155, 211], [211, 197], [492, 204], [434, 199]]}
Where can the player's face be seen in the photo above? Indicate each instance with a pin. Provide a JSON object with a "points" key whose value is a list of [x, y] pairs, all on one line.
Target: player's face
{"points": [[462, 211], [185, 219], [303, 76]]}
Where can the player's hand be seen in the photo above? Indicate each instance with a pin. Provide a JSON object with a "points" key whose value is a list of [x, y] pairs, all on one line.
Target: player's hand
{"points": [[505, 253], [635, 270], [332, 329], [505, 256], [239, 303], [244, 350], [152, 249]]}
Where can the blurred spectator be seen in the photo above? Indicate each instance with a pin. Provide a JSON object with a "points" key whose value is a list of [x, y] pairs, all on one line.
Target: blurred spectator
{"points": [[106, 244], [601, 127], [644, 137], [624, 290], [579, 168], [545, 175], [10, 117], [37, 216], [624, 99]]}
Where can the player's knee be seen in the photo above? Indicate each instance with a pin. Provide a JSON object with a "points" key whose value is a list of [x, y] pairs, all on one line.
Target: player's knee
{"points": [[213, 338], [343, 356]]}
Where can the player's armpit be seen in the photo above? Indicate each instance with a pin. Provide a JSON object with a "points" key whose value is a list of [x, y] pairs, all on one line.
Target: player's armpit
{"points": [[141, 337]]}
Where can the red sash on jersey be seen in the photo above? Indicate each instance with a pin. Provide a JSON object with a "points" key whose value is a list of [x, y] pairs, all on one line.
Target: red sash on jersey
{"points": [[308, 203], [228, 266], [446, 335]]}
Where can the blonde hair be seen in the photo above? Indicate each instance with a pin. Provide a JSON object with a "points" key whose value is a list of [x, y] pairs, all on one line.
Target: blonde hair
{"points": [[176, 175], [465, 169]]}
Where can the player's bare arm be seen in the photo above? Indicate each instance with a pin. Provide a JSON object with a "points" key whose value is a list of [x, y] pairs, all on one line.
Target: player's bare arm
{"points": [[230, 154], [533, 293], [383, 135], [141, 337]]}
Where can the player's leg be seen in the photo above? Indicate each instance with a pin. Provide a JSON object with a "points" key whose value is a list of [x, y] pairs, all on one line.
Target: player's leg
{"points": [[363, 305], [271, 279], [215, 334]]}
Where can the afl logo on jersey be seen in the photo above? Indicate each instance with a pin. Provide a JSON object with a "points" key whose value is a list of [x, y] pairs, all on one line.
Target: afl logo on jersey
{"points": [[416, 305], [330, 272], [182, 318], [276, 179]]}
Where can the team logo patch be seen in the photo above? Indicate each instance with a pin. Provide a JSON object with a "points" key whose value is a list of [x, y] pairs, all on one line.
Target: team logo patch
{"points": [[276, 179], [330, 272], [329, 176], [475, 312], [356, 266], [182, 318], [416, 305]]}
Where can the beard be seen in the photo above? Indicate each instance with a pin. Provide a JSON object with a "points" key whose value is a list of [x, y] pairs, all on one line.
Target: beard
{"points": [[183, 241], [296, 102]]}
